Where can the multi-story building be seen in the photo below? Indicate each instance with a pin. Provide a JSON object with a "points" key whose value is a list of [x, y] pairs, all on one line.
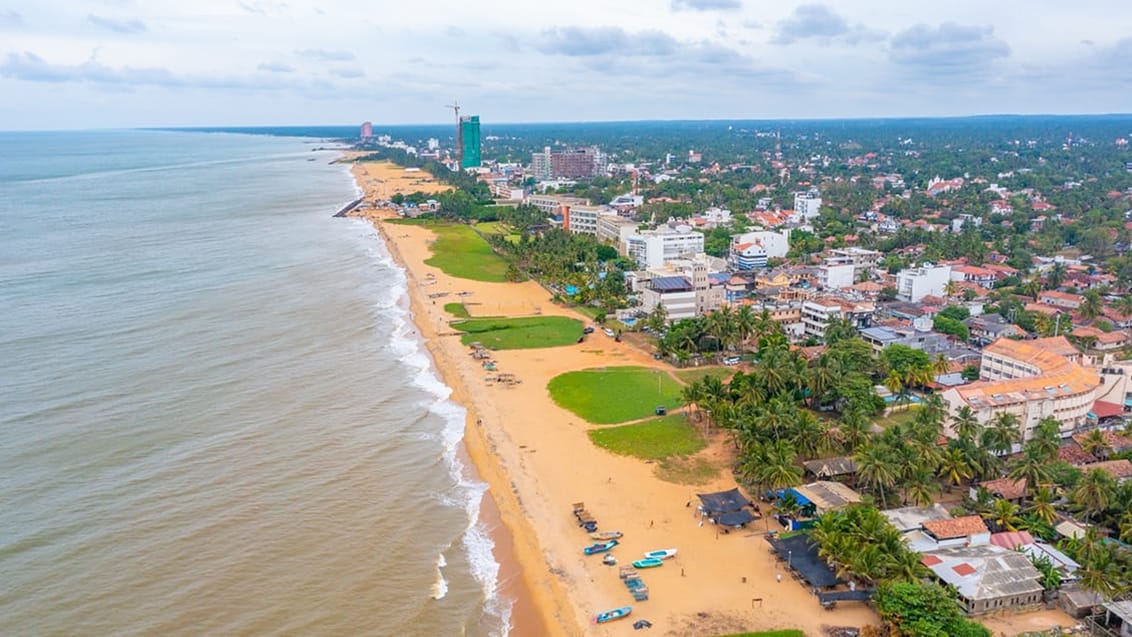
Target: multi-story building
{"points": [[807, 205], [914, 284], [817, 313], [572, 163], [582, 219], [552, 204], [1062, 300], [836, 273], [614, 229], [654, 248], [367, 131], [751, 250], [1031, 380], [470, 141], [690, 292]]}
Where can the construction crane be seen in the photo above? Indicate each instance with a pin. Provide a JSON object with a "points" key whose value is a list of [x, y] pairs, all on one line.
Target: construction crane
{"points": [[455, 106]]}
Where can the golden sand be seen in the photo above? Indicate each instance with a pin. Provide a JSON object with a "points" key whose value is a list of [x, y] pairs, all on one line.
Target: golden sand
{"points": [[538, 460]]}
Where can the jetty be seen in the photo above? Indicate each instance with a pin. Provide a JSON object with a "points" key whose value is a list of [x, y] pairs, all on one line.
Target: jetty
{"points": [[348, 207]]}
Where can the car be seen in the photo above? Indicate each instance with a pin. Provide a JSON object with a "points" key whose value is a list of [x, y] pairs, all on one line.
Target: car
{"points": [[608, 332], [731, 360], [589, 329]]}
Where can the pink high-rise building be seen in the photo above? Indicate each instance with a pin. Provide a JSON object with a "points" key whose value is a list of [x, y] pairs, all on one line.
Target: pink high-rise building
{"points": [[367, 130]]}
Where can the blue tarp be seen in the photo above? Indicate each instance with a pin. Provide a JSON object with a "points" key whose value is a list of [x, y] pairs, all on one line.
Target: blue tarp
{"points": [[798, 497]]}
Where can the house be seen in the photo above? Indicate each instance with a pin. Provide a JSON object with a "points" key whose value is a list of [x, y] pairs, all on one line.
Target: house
{"points": [[1062, 300], [1101, 341], [824, 495], [1078, 603], [985, 277], [1121, 469], [825, 468], [1118, 614], [1005, 488], [987, 328], [966, 530], [987, 578], [910, 519], [1115, 442]]}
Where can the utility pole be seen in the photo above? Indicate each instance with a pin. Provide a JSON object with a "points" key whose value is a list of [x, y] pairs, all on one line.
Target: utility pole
{"points": [[455, 106]]}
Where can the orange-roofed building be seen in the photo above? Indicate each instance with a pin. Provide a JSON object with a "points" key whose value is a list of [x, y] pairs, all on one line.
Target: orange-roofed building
{"points": [[1032, 380]]}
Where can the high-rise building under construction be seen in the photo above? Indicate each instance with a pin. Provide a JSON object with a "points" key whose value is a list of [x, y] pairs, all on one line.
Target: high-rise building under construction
{"points": [[469, 140]]}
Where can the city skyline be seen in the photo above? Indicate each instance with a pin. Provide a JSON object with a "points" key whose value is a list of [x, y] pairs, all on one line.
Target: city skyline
{"points": [[124, 63]]}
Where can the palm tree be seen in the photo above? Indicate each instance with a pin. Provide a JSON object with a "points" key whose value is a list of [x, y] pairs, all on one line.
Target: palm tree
{"points": [[920, 486], [771, 465], [1123, 305], [819, 378], [954, 467], [1041, 506], [1095, 443], [1126, 527], [1005, 516], [692, 395], [965, 424], [1056, 276], [1033, 469], [1092, 306], [1094, 493], [894, 382], [854, 428], [746, 321], [1000, 437], [876, 470], [1046, 439], [1032, 288]]}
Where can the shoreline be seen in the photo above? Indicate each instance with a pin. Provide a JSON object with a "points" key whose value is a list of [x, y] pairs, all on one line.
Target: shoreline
{"points": [[531, 607]]}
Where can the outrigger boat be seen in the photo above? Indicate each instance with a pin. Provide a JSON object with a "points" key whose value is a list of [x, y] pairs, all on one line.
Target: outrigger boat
{"points": [[613, 615], [662, 554], [648, 562], [599, 547], [606, 535]]}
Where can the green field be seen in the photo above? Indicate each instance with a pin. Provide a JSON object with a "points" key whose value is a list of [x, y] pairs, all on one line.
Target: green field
{"points": [[654, 439], [611, 395], [460, 252], [520, 333], [457, 309]]}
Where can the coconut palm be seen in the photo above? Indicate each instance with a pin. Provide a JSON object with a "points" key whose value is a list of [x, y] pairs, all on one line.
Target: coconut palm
{"points": [[1056, 276], [1046, 439], [1041, 506], [954, 467], [772, 465], [1032, 468], [1123, 305], [1094, 493], [919, 485], [1003, 432], [1126, 527], [854, 428], [966, 424], [1092, 306], [1004, 515], [876, 470], [1095, 443]]}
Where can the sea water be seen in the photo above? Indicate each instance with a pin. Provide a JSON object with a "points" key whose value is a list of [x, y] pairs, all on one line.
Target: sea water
{"points": [[216, 416]]}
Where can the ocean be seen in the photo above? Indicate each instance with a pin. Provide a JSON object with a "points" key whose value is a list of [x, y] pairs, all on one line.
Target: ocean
{"points": [[215, 414]]}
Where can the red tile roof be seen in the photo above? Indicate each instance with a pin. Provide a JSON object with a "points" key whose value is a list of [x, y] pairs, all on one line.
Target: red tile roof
{"points": [[1006, 488], [1074, 454], [1118, 469], [956, 527], [1011, 539]]}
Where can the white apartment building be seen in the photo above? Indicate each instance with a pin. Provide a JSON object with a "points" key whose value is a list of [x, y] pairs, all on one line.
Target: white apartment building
{"points": [[1032, 380], [581, 219], [807, 205], [751, 250], [818, 312], [653, 248], [615, 229], [687, 293], [552, 204], [914, 284], [836, 273]]}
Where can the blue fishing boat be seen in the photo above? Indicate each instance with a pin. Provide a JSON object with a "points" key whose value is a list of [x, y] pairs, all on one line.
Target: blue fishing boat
{"points": [[599, 547], [648, 562], [612, 615]]}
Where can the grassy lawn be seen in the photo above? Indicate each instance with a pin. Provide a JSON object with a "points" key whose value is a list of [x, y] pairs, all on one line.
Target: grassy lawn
{"points": [[610, 395], [490, 227], [457, 309], [900, 416], [690, 376], [654, 439], [520, 333], [460, 252]]}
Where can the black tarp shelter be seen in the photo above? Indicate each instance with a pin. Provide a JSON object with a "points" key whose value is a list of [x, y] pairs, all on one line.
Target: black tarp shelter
{"points": [[801, 554], [734, 518], [715, 504], [845, 596]]}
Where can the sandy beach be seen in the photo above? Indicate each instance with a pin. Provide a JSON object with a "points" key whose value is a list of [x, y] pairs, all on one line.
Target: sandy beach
{"points": [[537, 459]]}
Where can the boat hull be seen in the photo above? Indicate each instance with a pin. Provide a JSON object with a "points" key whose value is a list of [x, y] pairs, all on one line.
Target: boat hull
{"points": [[613, 615], [600, 547], [648, 562], [662, 554]]}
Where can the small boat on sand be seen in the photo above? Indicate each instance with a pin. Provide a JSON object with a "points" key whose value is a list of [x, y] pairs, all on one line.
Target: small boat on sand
{"points": [[648, 562], [599, 547], [612, 615], [606, 535], [662, 554]]}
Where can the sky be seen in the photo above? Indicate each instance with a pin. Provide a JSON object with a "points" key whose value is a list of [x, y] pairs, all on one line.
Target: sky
{"points": [[127, 63]]}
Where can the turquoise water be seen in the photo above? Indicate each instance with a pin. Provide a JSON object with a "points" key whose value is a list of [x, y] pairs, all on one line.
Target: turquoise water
{"points": [[216, 417]]}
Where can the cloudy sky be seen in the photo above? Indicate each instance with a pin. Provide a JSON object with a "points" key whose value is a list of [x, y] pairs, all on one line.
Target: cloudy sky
{"points": [[115, 63]]}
